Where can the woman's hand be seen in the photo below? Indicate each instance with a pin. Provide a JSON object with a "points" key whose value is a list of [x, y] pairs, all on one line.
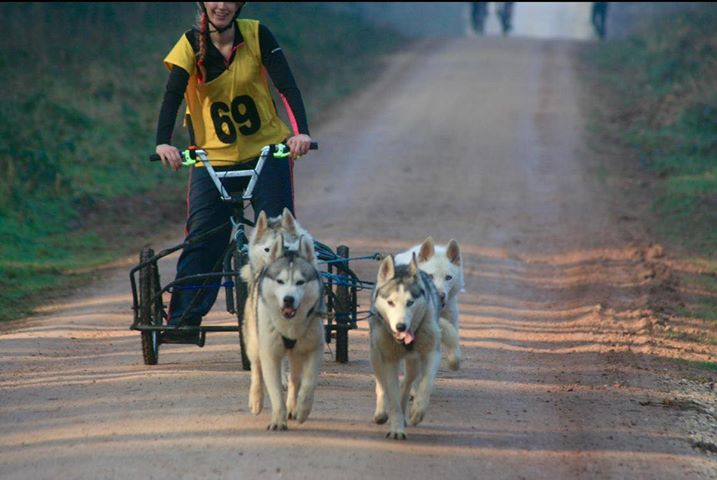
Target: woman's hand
{"points": [[169, 155], [299, 145]]}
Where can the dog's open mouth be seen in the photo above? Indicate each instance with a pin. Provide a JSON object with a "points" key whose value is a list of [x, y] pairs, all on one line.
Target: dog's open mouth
{"points": [[405, 337], [288, 312]]}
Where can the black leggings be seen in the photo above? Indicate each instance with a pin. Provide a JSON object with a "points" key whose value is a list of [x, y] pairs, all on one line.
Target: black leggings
{"points": [[206, 211]]}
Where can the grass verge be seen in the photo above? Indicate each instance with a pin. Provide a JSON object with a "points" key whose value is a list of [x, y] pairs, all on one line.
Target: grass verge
{"points": [[658, 114], [663, 97]]}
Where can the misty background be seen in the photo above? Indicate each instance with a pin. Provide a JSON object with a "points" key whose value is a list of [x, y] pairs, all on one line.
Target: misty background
{"points": [[531, 19]]}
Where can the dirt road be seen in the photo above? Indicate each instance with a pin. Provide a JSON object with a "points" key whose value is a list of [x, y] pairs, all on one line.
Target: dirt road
{"points": [[481, 140]]}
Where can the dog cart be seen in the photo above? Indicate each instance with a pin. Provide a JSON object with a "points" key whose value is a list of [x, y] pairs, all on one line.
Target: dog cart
{"points": [[341, 285]]}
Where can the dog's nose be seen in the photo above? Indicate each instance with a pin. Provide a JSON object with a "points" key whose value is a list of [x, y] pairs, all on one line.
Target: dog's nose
{"points": [[400, 327], [288, 301]]}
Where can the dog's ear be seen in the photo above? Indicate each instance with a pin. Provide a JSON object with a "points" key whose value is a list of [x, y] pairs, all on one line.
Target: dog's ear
{"points": [[261, 225], [453, 252], [386, 270], [427, 250], [288, 222], [306, 249], [277, 248], [413, 266]]}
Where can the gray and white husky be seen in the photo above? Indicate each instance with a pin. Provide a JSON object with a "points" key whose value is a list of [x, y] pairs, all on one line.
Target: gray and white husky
{"points": [[404, 326], [283, 317], [444, 264]]}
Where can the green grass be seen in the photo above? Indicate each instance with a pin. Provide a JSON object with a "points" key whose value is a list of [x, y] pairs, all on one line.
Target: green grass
{"points": [[78, 111], [661, 80]]}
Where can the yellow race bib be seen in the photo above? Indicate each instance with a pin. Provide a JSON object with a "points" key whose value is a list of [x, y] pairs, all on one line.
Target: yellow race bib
{"points": [[233, 116]]}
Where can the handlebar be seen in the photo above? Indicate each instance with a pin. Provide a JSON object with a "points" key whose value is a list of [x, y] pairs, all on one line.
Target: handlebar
{"points": [[279, 146], [193, 155]]}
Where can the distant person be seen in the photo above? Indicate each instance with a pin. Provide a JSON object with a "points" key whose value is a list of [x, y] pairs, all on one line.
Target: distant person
{"points": [[599, 15], [479, 12], [504, 11]]}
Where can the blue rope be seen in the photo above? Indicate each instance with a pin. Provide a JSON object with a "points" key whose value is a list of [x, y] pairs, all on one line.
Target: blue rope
{"points": [[342, 281], [341, 259]]}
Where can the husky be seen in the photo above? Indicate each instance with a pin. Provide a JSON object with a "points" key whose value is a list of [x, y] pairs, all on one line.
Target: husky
{"points": [[263, 235], [265, 232], [283, 317], [404, 325], [444, 265]]}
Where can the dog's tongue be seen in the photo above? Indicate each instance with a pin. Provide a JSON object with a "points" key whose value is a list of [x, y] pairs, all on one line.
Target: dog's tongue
{"points": [[288, 312], [406, 337]]}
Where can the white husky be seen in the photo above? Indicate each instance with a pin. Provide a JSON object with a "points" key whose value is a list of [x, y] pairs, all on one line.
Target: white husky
{"points": [[262, 238], [404, 326], [444, 265], [283, 317]]}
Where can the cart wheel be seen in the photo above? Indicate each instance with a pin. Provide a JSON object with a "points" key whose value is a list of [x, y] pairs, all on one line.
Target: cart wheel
{"points": [[240, 291], [150, 307], [343, 310]]}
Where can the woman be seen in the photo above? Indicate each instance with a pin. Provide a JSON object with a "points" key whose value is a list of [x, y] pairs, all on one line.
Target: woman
{"points": [[218, 67]]}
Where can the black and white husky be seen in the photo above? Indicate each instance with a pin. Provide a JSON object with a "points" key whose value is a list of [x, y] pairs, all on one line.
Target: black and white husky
{"points": [[283, 318], [263, 236], [404, 326]]}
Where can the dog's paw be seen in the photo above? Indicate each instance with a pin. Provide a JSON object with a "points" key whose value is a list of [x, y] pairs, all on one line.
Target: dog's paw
{"points": [[291, 408], [380, 417], [454, 359], [278, 420], [302, 414], [298, 414], [255, 408], [454, 363], [277, 426], [416, 417], [396, 435]]}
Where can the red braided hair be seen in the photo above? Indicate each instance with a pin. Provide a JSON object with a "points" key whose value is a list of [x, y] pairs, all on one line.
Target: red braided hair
{"points": [[202, 53]]}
